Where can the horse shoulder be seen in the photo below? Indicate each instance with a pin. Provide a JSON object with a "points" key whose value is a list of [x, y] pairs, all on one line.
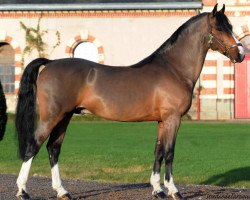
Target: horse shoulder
{"points": [[172, 96]]}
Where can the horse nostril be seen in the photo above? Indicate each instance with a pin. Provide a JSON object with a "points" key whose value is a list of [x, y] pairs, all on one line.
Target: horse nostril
{"points": [[241, 57]]}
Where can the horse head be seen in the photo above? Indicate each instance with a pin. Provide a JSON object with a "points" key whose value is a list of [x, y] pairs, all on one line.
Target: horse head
{"points": [[221, 37]]}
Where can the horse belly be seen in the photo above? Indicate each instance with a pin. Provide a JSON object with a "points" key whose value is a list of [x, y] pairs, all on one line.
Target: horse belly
{"points": [[119, 96], [130, 114], [121, 109]]}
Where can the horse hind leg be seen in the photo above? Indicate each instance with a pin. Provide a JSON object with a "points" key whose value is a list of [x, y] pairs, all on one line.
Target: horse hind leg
{"points": [[33, 146], [54, 147], [22, 180]]}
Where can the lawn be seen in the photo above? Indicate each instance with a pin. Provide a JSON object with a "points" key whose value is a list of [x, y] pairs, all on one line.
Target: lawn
{"points": [[206, 153]]}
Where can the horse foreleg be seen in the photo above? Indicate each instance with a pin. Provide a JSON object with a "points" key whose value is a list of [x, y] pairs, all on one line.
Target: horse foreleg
{"points": [[167, 131], [168, 178], [54, 147], [171, 126], [159, 154]]}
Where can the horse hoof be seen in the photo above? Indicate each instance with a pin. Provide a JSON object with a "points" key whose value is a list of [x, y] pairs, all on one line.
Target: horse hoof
{"points": [[178, 196], [65, 197], [23, 196], [159, 195]]}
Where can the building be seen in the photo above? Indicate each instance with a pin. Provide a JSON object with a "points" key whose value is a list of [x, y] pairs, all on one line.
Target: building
{"points": [[120, 33], [225, 88]]}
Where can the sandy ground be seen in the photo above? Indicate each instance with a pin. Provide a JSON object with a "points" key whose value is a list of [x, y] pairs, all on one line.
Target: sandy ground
{"points": [[40, 189]]}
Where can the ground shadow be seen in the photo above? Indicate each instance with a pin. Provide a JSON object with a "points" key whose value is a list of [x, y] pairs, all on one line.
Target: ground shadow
{"points": [[114, 188], [230, 177]]}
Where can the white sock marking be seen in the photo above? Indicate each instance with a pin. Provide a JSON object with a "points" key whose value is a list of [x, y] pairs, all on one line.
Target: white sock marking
{"points": [[23, 176], [170, 186], [56, 181], [155, 182]]}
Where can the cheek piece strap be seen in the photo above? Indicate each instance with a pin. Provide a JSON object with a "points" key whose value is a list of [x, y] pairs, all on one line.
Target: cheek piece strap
{"points": [[212, 39]]}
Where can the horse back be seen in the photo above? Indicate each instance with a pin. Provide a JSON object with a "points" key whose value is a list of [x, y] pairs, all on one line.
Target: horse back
{"points": [[117, 93]]}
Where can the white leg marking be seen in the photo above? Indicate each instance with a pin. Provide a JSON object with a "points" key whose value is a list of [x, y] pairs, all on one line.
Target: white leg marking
{"points": [[170, 186], [23, 176], [155, 182], [240, 48], [56, 181]]}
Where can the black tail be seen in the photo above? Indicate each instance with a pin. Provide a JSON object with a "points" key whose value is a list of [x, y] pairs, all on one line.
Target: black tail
{"points": [[3, 114], [26, 105]]}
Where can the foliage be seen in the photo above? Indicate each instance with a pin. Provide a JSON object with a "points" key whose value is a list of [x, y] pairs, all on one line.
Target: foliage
{"points": [[35, 42]]}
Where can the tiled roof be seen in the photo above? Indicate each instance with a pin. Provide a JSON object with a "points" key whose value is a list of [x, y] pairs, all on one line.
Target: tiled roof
{"points": [[73, 5], [87, 1]]}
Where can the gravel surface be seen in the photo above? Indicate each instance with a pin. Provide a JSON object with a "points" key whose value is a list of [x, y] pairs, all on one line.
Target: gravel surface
{"points": [[40, 189]]}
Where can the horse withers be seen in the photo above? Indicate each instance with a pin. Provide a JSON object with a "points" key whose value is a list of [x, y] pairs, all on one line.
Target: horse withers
{"points": [[158, 88]]}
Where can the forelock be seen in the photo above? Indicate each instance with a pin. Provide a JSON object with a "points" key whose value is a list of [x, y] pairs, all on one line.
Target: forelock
{"points": [[223, 22]]}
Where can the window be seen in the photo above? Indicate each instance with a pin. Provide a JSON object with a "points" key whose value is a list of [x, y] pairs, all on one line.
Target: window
{"points": [[86, 50], [7, 68]]}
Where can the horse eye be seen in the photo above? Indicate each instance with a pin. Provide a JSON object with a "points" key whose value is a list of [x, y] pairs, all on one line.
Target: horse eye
{"points": [[219, 29]]}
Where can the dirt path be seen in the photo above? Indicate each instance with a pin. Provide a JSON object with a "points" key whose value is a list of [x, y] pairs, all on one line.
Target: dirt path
{"points": [[40, 189]]}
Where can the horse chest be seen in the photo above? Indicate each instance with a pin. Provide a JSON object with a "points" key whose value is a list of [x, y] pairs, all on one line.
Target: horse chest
{"points": [[175, 98]]}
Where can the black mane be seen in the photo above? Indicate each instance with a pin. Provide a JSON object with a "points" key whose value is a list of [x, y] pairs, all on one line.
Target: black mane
{"points": [[223, 24], [170, 41], [174, 37]]}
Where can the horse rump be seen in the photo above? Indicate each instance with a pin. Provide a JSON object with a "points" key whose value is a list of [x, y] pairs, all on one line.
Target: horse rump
{"points": [[25, 121]]}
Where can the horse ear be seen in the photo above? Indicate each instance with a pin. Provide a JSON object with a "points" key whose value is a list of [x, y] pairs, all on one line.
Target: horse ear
{"points": [[215, 9], [223, 9]]}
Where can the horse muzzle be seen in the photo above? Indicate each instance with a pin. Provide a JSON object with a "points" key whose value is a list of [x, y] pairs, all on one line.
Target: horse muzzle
{"points": [[241, 54], [241, 57], [238, 53], [238, 59]]}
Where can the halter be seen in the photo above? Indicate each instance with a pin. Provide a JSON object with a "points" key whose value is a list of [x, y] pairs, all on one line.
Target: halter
{"points": [[212, 37]]}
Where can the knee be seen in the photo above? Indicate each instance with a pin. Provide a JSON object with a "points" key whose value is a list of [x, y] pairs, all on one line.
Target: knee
{"points": [[169, 156]]}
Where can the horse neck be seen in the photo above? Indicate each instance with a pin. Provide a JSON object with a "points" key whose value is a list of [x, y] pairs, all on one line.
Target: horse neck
{"points": [[186, 56]]}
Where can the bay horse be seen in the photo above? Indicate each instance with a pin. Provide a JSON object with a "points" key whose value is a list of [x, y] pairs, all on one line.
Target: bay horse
{"points": [[158, 88], [3, 114]]}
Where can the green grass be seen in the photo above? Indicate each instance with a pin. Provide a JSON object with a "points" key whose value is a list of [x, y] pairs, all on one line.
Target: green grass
{"points": [[206, 153]]}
